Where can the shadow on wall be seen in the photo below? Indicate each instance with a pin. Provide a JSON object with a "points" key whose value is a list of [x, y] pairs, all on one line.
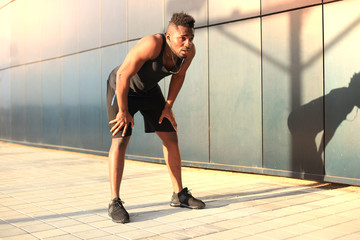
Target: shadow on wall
{"points": [[307, 121]]}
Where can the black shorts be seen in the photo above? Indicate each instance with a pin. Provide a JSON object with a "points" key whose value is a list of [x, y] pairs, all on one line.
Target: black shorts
{"points": [[150, 106]]}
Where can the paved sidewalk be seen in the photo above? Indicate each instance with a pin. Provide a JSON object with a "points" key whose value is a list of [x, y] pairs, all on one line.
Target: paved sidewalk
{"points": [[51, 194]]}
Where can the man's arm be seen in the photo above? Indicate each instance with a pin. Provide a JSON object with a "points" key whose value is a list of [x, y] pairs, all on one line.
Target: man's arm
{"points": [[147, 48], [176, 83]]}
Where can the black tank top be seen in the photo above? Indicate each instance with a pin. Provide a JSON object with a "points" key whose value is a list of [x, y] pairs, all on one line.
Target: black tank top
{"points": [[149, 74]]}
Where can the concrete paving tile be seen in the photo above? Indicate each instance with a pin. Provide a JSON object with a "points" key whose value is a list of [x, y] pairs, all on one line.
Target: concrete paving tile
{"points": [[352, 236], [11, 231], [228, 234], [255, 228], [160, 229], [229, 224], [111, 237], [37, 227], [347, 227], [146, 224], [169, 218], [186, 223], [253, 237], [325, 234], [77, 228], [299, 229], [136, 234], [277, 234], [21, 237], [175, 236], [119, 228], [65, 222], [63, 237], [50, 233], [92, 234], [158, 237], [89, 218]]}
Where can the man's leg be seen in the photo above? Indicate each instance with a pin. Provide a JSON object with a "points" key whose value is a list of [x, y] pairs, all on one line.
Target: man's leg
{"points": [[172, 158], [116, 209], [181, 196], [116, 164]]}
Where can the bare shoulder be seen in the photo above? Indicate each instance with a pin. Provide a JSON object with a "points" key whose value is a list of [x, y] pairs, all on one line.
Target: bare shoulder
{"points": [[150, 46]]}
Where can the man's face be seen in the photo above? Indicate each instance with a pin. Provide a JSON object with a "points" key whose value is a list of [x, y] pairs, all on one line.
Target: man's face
{"points": [[181, 41]]}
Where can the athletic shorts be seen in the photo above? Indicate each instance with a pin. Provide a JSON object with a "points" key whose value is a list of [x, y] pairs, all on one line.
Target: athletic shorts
{"points": [[150, 106]]}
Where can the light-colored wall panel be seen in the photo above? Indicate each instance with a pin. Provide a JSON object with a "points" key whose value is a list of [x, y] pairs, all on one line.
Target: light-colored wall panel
{"points": [[70, 104], [191, 106], [224, 11], [51, 101], [89, 24], [33, 98], [17, 96], [50, 41], [33, 30], [113, 21], [5, 38], [5, 104], [271, 6], [235, 93], [342, 34], [144, 144], [145, 17], [90, 100], [111, 56], [69, 26], [197, 9], [17, 46], [292, 77]]}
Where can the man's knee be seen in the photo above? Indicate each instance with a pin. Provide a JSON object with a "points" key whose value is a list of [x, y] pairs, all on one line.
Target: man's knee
{"points": [[168, 138], [120, 143]]}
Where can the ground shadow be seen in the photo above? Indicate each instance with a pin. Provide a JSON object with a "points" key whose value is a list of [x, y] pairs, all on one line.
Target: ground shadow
{"points": [[307, 121]]}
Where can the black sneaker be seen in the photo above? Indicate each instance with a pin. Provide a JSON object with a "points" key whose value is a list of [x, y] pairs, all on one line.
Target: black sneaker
{"points": [[185, 199], [117, 211]]}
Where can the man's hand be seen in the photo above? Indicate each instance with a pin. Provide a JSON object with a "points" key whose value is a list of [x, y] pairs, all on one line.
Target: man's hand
{"points": [[122, 120], [167, 113]]}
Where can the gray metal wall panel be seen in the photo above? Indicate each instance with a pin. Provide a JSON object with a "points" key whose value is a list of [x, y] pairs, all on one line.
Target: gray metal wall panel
{"points": [[17, 95], [69, 26], [17, 50], [113, 21], [33, 30], [51, 101], [271, 6], [144, 17], [5, 104], [197, 9], [235, 93], [110, 58], [191, 106], [5, 39], [90, 100], [50, 41], [224, 11], [33, 98], [342, 99], [141, 143], [292, 76], [70, 115], [89, 24]]}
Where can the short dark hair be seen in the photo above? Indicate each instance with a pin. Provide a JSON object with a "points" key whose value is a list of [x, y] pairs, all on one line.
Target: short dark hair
{"points": [[182, 19]]}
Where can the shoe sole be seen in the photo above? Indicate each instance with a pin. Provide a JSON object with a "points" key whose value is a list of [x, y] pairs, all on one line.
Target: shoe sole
{"points": [[121, 221], [185, 206]]}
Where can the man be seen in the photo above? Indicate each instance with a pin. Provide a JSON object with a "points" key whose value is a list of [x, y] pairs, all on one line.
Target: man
{"points": [[133, 87]]}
